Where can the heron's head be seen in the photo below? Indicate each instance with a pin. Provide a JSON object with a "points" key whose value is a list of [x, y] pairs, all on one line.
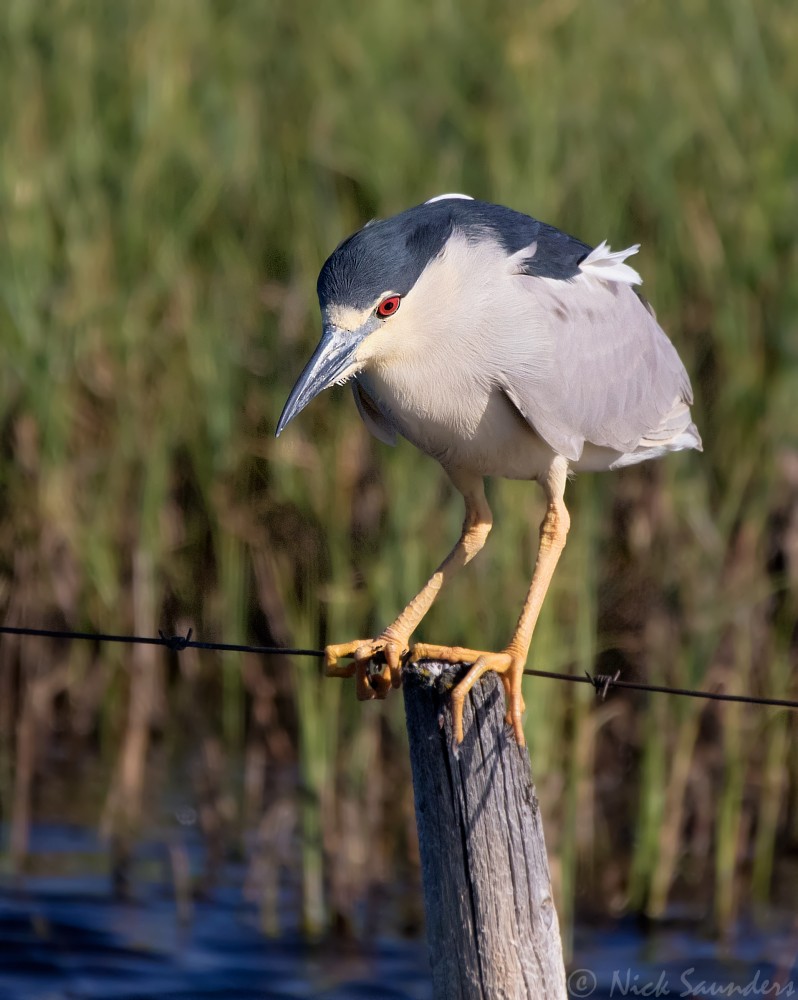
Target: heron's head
{"points": [[397, 287]]}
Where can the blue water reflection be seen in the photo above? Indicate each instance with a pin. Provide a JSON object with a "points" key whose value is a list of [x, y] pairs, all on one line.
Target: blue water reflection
{"points": [[65, 938]]}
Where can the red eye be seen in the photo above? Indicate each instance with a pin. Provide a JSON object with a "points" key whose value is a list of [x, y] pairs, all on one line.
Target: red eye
{"points": [[389, 306]]}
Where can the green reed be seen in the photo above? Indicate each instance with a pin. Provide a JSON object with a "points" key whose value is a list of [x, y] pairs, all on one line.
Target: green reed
{"points": [[171, 178]]}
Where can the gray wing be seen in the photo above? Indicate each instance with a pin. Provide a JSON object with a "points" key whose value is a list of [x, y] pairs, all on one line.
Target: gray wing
{"points": [[593, 365], [372, 416]]}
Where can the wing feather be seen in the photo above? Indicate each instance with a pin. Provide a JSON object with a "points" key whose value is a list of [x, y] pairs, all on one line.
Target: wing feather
{"points": [[593, 365], [372, 415]]}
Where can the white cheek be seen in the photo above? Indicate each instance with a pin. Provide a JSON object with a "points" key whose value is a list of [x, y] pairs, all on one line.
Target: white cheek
{"points": [[450, 310], [345, 317], [386, 344]]}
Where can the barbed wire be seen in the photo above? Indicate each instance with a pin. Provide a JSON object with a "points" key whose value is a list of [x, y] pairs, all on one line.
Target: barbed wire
{"points": [[602, 683], [174, 642]]}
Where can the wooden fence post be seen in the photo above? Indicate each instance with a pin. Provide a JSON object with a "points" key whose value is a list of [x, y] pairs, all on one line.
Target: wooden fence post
{"points": [[492, 927]]}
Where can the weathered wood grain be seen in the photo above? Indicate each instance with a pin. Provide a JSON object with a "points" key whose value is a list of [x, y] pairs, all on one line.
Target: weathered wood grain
{"points": [[492, 926]]}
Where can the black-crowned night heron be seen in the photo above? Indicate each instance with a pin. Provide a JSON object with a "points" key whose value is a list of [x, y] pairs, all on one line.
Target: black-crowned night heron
{"points": [[501, 347]]}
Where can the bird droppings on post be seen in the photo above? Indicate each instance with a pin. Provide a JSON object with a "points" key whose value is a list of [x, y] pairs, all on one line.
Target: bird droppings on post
{"points": [[442, 678], [499, 346], [443, 675]]}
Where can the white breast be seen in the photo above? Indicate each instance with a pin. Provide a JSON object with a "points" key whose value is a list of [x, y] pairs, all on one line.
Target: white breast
{"points": [[473, 427]]}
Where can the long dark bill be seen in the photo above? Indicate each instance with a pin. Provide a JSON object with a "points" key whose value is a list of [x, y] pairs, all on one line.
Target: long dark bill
{"points": [[330, 360]]}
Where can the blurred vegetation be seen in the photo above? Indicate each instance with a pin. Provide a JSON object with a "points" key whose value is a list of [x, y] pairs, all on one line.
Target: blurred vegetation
{"points": [[172, 176]]}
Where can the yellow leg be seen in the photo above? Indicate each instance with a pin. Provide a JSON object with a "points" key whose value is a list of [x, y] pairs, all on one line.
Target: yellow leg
{"points": [[392, 643], [510, 662]]}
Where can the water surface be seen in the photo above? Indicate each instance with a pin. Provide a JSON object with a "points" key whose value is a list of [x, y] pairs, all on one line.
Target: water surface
{"points": [[64, 937]]}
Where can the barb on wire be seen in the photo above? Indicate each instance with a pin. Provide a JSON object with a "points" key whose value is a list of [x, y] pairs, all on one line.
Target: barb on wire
{"points": [[177, 643], [602, 683]]}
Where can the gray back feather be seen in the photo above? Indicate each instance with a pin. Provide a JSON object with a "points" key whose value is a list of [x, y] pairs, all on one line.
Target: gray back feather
{"points": [[594, 366]]}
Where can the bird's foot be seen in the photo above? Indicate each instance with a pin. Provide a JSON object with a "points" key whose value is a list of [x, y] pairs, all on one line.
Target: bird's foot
{"points": [[386, 651], [509, 664]]}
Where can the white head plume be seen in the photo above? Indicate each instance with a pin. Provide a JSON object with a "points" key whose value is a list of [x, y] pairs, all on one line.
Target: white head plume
{"points": [[608, 265], [443, 197]]}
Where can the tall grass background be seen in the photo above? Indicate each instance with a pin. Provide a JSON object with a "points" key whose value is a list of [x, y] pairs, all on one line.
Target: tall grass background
{"points": [[172, 176]]}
